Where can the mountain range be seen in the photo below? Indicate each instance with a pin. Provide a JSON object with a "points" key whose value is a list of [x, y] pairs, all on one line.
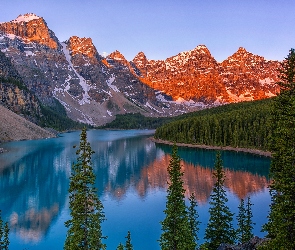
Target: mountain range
{"points": [[93, 89]]}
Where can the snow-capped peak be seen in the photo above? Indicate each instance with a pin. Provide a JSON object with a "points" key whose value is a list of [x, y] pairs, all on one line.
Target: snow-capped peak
{"points": [[25, 18]]}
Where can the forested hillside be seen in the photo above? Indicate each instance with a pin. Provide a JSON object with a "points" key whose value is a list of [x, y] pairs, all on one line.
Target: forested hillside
{"points": [[238, 125]]}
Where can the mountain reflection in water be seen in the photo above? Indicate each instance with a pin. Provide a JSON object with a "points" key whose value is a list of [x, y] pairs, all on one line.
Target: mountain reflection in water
{"points": [[34, 178], [199, 180]]}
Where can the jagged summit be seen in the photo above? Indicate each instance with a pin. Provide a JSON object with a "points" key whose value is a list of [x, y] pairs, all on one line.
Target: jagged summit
{"points": [[82, 45], [116, 55], [201, 47], [242, 50], [25, 18], [31, 28], [140, 60], [242, 55], [140, 55]]}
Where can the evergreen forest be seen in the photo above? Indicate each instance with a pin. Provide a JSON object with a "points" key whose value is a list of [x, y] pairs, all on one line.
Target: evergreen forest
{"points": [[245, 125]]}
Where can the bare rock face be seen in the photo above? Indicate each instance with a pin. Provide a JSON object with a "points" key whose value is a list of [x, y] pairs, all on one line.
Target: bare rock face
{"points": [[32, 29], [19, 101], [196, 75], [13, 93], [82, 46], [253, 244], [249, 77]]}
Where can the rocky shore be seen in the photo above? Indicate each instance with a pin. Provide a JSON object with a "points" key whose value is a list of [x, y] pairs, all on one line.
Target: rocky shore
{"points": [[16, 128], [252, 244], [246, 150]]}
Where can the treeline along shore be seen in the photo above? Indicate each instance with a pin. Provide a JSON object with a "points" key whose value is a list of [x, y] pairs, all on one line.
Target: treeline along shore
{"points": [[245, 150], [241, 127]]}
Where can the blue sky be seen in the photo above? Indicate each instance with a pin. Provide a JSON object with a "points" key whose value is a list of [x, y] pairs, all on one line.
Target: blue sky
{"points": [[163, 28]]}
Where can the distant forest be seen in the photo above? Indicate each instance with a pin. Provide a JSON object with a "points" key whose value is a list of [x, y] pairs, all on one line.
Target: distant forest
{"points": [[245, 124]]}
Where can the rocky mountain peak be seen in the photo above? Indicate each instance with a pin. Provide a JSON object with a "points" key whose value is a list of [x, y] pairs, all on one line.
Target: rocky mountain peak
{"points": [[140, 60], [202, 48], [242, 50], [30, 28], [82, 45], [117, 56], [243, 57], [25, 18], [140, 57]]}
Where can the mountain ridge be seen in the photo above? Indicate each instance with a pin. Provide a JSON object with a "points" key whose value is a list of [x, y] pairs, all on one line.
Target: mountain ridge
{"points": [[93, 88]]}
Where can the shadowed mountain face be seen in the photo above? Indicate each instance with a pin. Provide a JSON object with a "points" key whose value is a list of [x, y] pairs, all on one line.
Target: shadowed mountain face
{"points": [[93, 89]]}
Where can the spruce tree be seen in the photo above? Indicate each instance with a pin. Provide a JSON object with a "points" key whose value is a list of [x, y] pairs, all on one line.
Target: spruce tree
{"points": [[241, 219], [281, 220], [4, 234], [193, 219], [120, 247], [128, 245], [219, 229], [86, 210], [245, 223], [176, 233], [249, 222], [6, 237]]}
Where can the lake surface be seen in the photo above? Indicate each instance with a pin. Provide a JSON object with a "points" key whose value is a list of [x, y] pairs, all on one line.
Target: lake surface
{"points": [[131, 182]]}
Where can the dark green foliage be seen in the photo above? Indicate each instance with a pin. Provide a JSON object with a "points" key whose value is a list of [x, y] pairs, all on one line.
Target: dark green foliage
{"points": [[56, 117], [136, 121], [249, 223], [245, 224], [4, 234], [193, 219], [281, 220], [241, 219], [128, 244], [238, 125], [176, 233], [120, 247], [84, 227], [219, 229]]}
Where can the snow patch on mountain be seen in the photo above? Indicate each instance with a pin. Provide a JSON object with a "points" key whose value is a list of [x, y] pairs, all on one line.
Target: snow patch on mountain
{"points": [[29, 53], [25, 18], [151, 107], [82, 81], [266, 81], [109, 83]]}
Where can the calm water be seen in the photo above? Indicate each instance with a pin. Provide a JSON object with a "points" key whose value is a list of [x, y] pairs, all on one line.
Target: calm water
{"points": [[131, 181]]}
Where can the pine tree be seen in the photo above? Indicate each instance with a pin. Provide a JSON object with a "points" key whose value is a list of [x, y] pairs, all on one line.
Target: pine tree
{"points": [[128, 245], [219, 229], [84, 227], [6, 237], [245, 223], [4, 234], [248, 219], [176, 233], [281, 220], [1, 231], [193, 219], [241, 218], [120, 247]]}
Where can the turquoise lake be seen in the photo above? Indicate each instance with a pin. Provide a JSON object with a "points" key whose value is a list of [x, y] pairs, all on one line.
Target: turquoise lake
{"points": [[131, 182]]}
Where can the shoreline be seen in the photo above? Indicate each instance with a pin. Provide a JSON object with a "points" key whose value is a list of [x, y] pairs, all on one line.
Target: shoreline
{"points": [[228, 148]]}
